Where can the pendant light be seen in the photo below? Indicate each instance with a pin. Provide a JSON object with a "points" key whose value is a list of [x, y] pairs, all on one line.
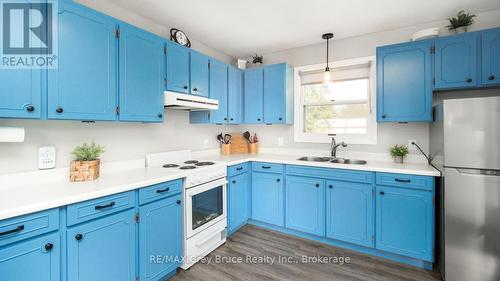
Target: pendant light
{"points": [[328, 75]]}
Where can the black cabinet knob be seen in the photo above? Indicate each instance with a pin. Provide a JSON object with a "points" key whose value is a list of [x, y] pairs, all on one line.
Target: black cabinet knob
{"points": [[469, 80], [225, 119], [258, 119], [30, 108], [178, 202], [195, 89], [382, 193], [233, 181], [231, 119], [330, 186], [491, 77], [281, 119], [185, 87], [49, 246], [278, 180], [384, 116], [78, 237], [160, 115], [317, 185], [59, 110]]}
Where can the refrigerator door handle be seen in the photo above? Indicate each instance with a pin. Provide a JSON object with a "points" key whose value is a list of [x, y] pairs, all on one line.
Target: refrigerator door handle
{"points": [[479, 172]]}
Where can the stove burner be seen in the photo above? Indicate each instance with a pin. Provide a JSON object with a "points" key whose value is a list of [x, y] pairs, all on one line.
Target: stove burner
{"points": [[204, 163], [170, 166], [187, 167], [191, 162]]}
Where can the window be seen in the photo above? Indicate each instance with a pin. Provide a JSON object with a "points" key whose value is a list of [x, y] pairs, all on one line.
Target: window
{"points": [[343, 108]]}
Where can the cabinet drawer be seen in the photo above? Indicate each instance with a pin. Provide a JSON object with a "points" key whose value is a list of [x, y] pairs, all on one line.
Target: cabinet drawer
{"points": [[329, 173], [237, 169], [408, 181], [267, 167], [159, 191], [100, 207], [23, 227]]}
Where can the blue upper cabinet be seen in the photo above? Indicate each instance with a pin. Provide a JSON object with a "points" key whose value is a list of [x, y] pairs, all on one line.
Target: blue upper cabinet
{"points": [[218, 91], [350, 212], [254, 96], [142, 75], [405, 222], [456, 61], [199, 74], [305, 205], [404, 82], [278, 94], [491, 57], [109, 241], [238, 201], [235, 96], [36, 259], [177, 68], [21, 93], [160, 231], [84, 85]]}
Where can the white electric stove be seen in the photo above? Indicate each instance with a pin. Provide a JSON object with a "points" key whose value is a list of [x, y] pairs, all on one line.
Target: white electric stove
{"points": [[205, 207]]}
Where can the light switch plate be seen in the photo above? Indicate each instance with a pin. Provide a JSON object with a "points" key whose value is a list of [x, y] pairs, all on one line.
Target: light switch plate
{"points": [[46, 157]]}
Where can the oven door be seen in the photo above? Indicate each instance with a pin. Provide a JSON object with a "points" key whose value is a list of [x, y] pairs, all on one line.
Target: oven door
{"points": [[205, 206]]}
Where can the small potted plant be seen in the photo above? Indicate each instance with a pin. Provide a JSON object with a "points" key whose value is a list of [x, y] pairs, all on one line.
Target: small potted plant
{"points": [[257, 60], [398, 152], [86, 165], [459, 23]]}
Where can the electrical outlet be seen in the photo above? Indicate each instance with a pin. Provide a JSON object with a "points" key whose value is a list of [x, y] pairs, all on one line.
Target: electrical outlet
{"points": [[46, 157], [411, 147], [281, 141]]}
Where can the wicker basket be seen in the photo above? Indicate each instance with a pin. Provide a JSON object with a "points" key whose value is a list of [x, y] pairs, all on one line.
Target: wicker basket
{"points": [[84, 170]]}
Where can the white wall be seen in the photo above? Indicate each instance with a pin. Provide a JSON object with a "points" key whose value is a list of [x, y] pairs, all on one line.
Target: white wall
{"points": [[355, 47]]}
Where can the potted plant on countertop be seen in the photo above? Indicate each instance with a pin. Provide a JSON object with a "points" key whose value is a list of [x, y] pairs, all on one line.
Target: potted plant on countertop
{"points": [[459, 23], [398, 152], [86, 165], [257, 59]]}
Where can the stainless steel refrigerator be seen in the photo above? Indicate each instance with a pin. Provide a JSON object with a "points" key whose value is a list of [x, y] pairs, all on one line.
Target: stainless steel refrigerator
{"points": [[465, 143]]}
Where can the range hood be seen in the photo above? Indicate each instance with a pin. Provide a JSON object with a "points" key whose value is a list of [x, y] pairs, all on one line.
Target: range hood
{"points": [[178, 101]]}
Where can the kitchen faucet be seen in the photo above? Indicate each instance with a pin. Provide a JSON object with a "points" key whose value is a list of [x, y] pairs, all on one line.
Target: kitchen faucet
{"points": [[335, 146]]}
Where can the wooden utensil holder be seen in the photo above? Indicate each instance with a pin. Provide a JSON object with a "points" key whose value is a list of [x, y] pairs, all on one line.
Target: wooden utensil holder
{"points": [[253, 148], [84, 170], [225, 149]]}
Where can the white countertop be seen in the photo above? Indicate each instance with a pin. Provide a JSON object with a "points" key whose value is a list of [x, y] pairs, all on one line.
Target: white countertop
{"points": [[26, 193]]}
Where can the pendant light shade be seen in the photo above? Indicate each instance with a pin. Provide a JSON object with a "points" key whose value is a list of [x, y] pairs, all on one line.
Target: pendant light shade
{"points": [[328, 75]]}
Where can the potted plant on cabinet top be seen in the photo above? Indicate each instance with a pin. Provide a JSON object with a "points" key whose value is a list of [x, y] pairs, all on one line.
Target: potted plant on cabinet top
{"points": [[459, 23], [398, 152], [86, 165], [257, 60]]}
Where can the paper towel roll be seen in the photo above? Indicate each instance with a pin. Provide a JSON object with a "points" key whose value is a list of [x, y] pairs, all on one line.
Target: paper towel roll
{"points": [[11, 134]]}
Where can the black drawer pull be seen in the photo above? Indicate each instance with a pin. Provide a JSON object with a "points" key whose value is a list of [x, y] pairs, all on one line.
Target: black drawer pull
{"points": [[163, 190], [239, 169], [382, 193], [317, 185], [49, 246], [266, 167], [100, 207], [15, 230], [401, 180]]}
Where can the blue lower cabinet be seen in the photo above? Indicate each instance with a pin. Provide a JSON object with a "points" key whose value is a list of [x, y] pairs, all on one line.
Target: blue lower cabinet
{"points": [[305, 205], [350, 212], [103, 249], [36, 259], [238, 201], [160, 236], [268, 198], [405, 222]]}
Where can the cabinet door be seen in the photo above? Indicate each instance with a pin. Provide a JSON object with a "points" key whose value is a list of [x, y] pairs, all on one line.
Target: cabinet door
{"points": [[37, 259], [142, 75], [160, 233], [350, 212], [274, 94], [254, 96], [238, 201], [199, 74], [305, 204], [491, 57], [84, 85], [103, 249], [267, 198], [21, 93], [235, 96], [405, 222], [218, 91], [456, 61], [177, 68], [404, 82]]}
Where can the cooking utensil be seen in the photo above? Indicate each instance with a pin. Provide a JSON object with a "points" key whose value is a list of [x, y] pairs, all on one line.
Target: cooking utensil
{"points": [[247, 136], [220, 138], [227, 138]]}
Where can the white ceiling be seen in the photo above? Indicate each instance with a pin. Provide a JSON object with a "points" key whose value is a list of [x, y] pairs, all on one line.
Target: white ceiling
{"points": [[242, 27]]}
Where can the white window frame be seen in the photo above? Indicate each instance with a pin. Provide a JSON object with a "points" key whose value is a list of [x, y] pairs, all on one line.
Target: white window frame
{"points": [[369, 138]]}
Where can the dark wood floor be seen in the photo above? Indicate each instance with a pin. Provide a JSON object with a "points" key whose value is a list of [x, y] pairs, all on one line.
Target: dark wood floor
{"points": [[252, 241]]}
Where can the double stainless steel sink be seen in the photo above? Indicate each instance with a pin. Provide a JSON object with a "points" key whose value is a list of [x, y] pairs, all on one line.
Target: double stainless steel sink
{"points": [[333, 160]]}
